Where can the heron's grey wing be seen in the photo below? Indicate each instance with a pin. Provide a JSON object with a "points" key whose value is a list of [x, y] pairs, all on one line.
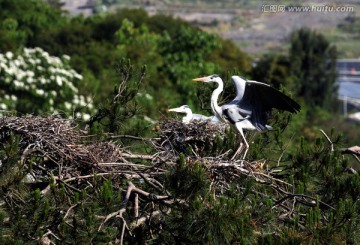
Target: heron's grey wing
{"points": [[262, 98], [258, 119], [214, 119], [234, 114]]}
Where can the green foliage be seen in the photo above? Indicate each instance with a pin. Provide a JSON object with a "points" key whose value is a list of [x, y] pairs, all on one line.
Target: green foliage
{"points": [[173, 51], [185, 53], [187, 180], [44, 213], [322, 194], [351, 24], [10, 37], [274, 70], [33, 18], [113, 114], [204, 219], [230, 58], [313, 62], [323, 173], [10, 171], [223, 221], [58, 4]]}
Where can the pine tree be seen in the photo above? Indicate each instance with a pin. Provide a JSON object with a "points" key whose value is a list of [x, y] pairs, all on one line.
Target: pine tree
{"points": [[312, 63]]}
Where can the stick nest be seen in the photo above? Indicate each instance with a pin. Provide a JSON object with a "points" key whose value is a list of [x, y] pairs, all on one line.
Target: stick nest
{"points": [[196, 136], [53, 152], [55, 139]]}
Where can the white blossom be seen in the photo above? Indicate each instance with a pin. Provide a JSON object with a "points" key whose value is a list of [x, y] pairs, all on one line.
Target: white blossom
{"points": [[30, 73], [42, 80], [86, 116], [9, 55], [76, 100], [35, 71], [59, 81], [66, 57], [67, 105], [17, 62], [40, 91], [18, 84], [148, 96], [30, 80], [78, 76]]}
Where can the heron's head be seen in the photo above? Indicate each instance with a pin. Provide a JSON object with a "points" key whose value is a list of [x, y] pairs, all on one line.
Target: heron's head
{"points": [[208, 79], [181, 109]]}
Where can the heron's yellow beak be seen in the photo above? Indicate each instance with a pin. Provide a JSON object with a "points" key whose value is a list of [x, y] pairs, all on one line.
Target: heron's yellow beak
{"points": [[200, 79], [173, 109]]}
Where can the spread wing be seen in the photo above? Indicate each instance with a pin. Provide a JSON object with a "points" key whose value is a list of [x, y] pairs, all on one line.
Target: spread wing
{"points": [[255, 101], [260, 97]]}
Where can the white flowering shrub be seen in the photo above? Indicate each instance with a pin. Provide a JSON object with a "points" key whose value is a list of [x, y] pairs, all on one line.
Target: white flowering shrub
{"points": [[35, 82]]}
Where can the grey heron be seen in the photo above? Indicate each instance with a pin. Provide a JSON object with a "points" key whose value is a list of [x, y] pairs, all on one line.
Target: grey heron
{"points": [[191, 116], [250, 108]]}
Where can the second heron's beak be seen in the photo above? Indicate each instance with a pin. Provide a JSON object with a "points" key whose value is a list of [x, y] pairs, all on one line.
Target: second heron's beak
{"points": [[200, 79], [174, 109]]}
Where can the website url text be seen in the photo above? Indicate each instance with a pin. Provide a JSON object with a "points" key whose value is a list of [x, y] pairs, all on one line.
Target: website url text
{"points": [[300, 9]]}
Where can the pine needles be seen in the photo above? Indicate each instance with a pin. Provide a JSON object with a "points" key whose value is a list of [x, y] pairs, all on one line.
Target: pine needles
{"points": [[60, 186]]}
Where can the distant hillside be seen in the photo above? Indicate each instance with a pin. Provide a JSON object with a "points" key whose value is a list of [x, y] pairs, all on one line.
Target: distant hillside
{"points": [[257, 27]]}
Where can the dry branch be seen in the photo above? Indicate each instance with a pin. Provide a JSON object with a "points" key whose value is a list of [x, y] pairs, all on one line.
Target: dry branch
{"points": [[64, 157], [354, 151]]}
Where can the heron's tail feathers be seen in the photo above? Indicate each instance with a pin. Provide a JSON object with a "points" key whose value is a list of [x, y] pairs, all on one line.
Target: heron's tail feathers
{"points": [[268, 127]]}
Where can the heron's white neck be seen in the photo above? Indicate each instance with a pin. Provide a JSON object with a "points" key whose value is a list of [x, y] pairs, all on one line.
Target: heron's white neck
{"points": [[214, 98], [188, 116]]}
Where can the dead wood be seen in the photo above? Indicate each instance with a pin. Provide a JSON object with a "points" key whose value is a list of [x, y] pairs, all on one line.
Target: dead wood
{"points": [[53, 151]]}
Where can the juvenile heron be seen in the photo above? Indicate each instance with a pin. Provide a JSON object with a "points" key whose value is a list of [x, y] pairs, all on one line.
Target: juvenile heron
{"points": [[191, 116], [250, 108]]}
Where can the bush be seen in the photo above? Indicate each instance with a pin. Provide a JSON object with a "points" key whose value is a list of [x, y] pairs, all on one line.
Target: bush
{"points": [[35, 82]]}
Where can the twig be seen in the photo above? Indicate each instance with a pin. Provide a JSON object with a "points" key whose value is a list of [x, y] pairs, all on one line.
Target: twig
{"points": [[45, 239], [139, 156], [142, 220], [147, 180], [131, 187], [327, 137], [119, 164], [302, 196], [354, 151], [87, 176], [130, 137], [109, 216], [122, 233], [26, 152], [136, 206], [69, 209], [282, 153]]}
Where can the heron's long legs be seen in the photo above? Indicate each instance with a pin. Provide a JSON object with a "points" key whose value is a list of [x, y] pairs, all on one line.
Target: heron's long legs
{"points": [[237, 151], [246, 143], [241, 144]]}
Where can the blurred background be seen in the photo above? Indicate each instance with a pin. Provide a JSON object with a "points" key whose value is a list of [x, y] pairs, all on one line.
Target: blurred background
{"points": [[66, 56]]}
